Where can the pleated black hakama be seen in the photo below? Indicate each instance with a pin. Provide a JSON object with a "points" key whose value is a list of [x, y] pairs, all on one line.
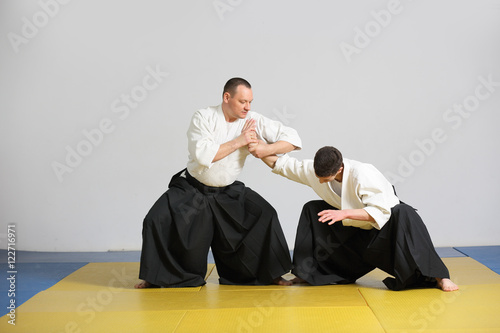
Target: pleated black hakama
{"points": [[337, 254], [240, 226]]}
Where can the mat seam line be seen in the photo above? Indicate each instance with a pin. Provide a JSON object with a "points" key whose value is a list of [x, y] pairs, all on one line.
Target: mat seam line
{"points": [[371, 310], [183, 315], [465, 254]]}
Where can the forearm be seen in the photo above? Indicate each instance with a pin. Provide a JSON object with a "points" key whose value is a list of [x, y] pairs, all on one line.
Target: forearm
{"points": [[280, 147], [263, 149], [334, 215], [226, 149], [270, 160], [357, 214], [246, 137]]}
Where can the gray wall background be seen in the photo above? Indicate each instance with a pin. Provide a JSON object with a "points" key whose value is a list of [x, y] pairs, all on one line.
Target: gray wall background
{"points": [[96, 98]]}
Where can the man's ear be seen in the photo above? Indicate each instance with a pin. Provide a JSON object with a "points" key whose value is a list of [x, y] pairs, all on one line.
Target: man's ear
{"points": [[226, 97]]}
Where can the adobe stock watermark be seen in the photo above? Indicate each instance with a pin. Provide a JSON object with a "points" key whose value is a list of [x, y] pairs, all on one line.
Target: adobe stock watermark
{"points": [[222, 7], [190, 210], [11, 273], [263, 310], [454, 118], [322, 251], [282, 116], [31, 27], [94, 304], [381, 19], [422, 317], [94, 137]]}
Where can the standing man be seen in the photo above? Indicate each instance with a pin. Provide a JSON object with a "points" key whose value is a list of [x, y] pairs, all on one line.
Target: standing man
{"points": [[360, 224], [205, 206]]}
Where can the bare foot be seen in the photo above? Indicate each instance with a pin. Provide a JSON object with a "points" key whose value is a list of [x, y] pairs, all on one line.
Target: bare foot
{"points": [[298, 280], [144, 284], [282, 282], [446, 284]]}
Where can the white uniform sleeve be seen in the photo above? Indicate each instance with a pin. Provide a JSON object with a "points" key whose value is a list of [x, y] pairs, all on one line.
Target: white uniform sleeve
{"points": [[377, 194], [201, 142], [293, 169], [272, 131]]}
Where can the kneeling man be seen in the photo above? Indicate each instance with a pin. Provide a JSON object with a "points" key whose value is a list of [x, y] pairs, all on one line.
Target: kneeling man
{"points": [[375, 229]]}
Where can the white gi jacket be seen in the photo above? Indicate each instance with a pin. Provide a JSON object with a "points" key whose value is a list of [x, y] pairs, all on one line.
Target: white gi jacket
{"points": [[209, 129], [363, 187]]}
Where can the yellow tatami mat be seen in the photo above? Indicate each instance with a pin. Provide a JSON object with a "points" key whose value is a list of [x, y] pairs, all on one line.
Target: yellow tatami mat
{"points": [[474, 308], [100, 297]]}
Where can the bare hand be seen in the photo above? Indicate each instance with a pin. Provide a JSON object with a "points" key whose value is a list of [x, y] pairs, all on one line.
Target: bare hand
{"points": [[248, 135], [260, 149], [331, 214]]}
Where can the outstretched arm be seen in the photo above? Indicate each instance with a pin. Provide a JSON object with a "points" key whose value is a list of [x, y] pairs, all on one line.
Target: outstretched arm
{"points": [[263, 149], [331, 215], [270, 160]]}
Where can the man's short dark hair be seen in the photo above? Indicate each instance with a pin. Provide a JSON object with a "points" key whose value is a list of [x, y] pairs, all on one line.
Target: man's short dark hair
{"points": [[327, 161], [233, 84]]}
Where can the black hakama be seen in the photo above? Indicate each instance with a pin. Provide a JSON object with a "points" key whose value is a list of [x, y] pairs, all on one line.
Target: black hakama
{"points": [[340, 254], [240, 226]]}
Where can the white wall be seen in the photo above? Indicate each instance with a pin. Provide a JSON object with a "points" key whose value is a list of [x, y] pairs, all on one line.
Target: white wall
{"points": [[381, 80]]}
